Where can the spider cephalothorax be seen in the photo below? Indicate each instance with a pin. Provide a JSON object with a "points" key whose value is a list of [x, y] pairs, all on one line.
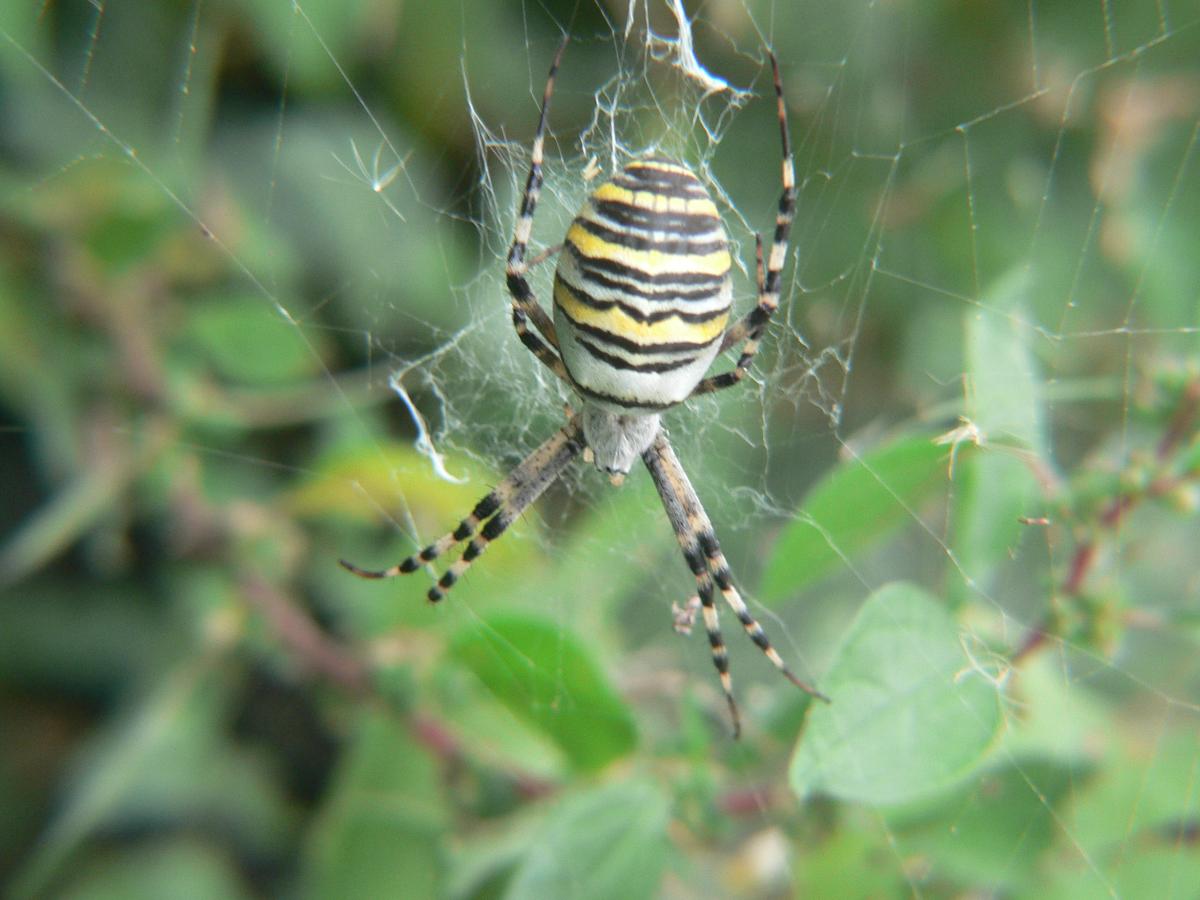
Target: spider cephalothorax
{"points": [[642, 296]]}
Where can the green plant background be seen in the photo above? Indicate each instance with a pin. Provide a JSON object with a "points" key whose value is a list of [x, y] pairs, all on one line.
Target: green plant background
{"points": [[975, 529]]}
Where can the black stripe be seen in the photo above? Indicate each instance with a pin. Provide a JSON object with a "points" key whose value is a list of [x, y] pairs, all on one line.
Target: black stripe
{"points": [[618, 362], [726, 379], [665, 187], [657, 170], [486, 506], [623, 402], [674, 246], [629, 215], [518, 287], [757, 320], [724, 579], [495, 526], [532, 185], [661, 296], [633, 312], [588, 264], [624, 343]]}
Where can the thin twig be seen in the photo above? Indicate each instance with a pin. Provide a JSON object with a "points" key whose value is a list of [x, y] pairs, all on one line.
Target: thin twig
{"points": [[307, 643]]}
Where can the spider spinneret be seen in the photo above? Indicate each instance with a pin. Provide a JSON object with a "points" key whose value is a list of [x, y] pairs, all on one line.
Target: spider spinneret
{"points": [[642, 298]]}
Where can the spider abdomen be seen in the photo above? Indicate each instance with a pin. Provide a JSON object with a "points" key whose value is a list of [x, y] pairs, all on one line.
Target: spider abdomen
{"points": [[642, 291]]}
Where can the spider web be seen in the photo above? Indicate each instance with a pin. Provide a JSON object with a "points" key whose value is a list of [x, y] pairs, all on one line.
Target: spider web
{"points": [[933, 171]]}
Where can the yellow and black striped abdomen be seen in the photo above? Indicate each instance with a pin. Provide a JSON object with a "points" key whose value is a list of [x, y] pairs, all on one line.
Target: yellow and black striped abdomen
{"points": [[642, 291]]}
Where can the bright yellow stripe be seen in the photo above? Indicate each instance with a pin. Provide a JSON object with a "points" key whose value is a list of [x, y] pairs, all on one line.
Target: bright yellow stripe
{"points": [[660, 165], [657, 202], [622, 325], [655, 262]]}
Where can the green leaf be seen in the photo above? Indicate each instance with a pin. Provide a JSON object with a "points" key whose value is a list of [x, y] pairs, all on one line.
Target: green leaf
{"points": [[179, 869], [911, 714], [1170, 868], [246, 341], [380, 830], [608, 842], [1142, 871], [1144, 791], [166, 760], [1004, 403], [390, 476], [849, 865], [39, 362], [1058, 721], [73, 510], [995, 829], [53, 639], [856, 504], [619, 542], [305, 55], [994, 490], [1004, 398], [548, 677]]}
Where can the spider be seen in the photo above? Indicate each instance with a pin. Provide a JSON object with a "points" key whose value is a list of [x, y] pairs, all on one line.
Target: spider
{"points": [[642, 298]]}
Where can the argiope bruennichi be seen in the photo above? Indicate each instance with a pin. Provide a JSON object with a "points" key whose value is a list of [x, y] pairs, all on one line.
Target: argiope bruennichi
{"points": [[642, 296]]}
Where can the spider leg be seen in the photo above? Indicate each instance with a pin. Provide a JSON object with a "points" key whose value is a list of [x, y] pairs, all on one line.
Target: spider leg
{"points": [[703, 554], [499, 508], [719, 567], [525, 307], [679, 500], [537, 261], [751, 326], [720, 655], [741, 328]]}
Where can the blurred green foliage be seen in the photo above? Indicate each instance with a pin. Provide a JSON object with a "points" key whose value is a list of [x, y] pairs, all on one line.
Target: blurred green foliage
{"points": [[968, 495]]}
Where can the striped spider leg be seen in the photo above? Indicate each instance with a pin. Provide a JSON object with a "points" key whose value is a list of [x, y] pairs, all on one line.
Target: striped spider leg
{"points": [[495, 512], [538, 470], [525, 307], [751, 326], [701, 550]]}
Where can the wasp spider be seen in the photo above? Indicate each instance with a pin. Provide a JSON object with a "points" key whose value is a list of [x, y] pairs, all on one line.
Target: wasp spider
{"points": [[642, 298]]}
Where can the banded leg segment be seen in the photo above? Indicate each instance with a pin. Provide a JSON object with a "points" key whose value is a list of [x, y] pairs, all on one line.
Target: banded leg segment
{"points": [[496, 511], [665, 472], [544, 466], [703, 554], [525, 307], [751, 326], [716, 643], [719, 567]]}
